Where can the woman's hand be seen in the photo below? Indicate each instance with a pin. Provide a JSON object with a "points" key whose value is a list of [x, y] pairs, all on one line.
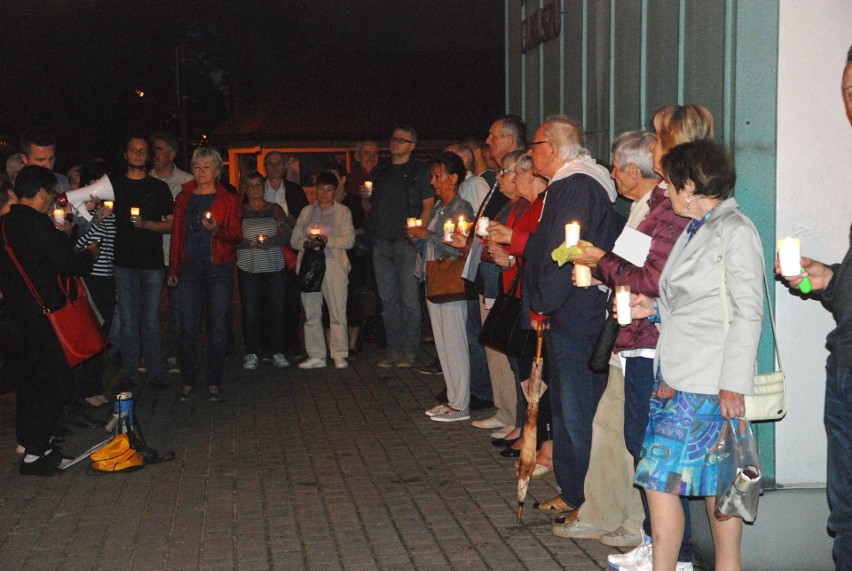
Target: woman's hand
{"points": [[819, 273], [641, 306], [500, 233], [417, 232], [731, 404], [210, 224], [458, 242], [589, 256], [499, 254]]}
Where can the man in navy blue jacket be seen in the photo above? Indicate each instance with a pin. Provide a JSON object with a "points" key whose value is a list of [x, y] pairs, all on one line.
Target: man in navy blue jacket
{"points": [[579, 191]]}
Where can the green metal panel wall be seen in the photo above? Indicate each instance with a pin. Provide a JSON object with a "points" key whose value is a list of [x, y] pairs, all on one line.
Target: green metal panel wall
{"points": [[616, 61]]}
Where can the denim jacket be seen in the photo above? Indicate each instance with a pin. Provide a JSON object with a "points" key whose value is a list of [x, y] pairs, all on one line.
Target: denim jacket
{"points": [[440, 214]]}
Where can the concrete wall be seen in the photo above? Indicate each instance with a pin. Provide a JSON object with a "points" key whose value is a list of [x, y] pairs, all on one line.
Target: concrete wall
{"points": [[814, 180]]}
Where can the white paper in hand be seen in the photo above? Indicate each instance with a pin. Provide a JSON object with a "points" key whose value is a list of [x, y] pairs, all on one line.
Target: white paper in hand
{"points": [[633, 246]]}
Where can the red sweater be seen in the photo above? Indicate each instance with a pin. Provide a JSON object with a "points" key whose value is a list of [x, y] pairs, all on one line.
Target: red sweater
{"points": [[227, 210], [521, 230]]}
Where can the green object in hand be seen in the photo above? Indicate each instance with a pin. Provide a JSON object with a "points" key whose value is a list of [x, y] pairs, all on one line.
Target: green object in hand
{"points": [[805, 286], [561, 254]]}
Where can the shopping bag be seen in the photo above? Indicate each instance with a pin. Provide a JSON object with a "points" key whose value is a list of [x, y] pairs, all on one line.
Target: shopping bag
{"points": [[738, 472]]}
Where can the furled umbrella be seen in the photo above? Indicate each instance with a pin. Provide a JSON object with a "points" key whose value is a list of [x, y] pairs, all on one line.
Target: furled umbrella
{"points": [[533, 389]]}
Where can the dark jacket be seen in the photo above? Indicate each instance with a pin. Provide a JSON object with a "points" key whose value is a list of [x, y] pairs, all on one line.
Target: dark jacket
{"points": [[227, 210], [45, 254], [548, 290], [838, 298], [664, 227], [417, 191]]}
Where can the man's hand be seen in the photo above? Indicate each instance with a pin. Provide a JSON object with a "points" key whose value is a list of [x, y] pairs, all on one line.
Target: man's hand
{"points": [[589, 255], [819, 273], [500, 233]]}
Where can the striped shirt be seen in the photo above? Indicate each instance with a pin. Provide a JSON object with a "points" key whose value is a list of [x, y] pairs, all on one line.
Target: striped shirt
{"points": [[103, 233], [262, 260]]}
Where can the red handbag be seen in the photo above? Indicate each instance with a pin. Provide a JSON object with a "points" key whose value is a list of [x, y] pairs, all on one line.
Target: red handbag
{"points": [[76, 326]]}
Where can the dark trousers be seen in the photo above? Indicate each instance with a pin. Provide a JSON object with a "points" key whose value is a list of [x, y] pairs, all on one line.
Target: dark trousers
{"points": [[638, 385], [838, 416], [46, 388], [260, 296], [203, 283], [292, 312], [89, 375]]}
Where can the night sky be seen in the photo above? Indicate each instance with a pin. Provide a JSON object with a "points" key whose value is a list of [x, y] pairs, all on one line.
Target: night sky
{"points": [[76, 65]]}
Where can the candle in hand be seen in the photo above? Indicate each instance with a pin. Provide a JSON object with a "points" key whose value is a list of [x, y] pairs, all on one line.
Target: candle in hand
{"points": [[449, 228], [790, 256], [582, 275], [410, 222], [482, 226], [622, 304], [208, 215], [464, 226], [59, 216], [418, 222], [572, 234], [368, 185], [262, 238], [134, 211], [108, 204], [314, 231]]}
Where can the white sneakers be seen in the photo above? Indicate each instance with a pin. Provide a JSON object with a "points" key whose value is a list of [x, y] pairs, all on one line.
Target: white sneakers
{"points": [[640, 559], [313, 363], [250, 362], [488, 423], [340, 363], [576, 529], [279, 361]]}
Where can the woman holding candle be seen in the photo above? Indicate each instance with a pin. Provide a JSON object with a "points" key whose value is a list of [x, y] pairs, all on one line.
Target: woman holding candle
{"points": [[327, 225], [707, 346], [207, 226], [448, 319], [261, 273], [508, 242]]}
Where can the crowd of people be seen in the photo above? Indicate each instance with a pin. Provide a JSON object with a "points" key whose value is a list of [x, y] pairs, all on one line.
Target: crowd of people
{"points": [[627, 446]]}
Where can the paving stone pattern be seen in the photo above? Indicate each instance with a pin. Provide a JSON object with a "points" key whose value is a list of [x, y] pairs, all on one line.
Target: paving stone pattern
{"points": [[319, 469]]}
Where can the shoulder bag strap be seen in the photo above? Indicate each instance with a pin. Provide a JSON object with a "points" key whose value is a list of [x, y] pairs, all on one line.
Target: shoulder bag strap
{"points": [[23, 273], [723, 288]]}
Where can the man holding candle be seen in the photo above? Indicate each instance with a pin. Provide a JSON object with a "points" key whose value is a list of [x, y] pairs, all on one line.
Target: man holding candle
{"points": [[832, 284], [401, 190], [139, 260], [292, 199], [580, 191]]}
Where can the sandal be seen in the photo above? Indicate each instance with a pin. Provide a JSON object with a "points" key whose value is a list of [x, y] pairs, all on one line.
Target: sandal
{"points": [[554, 505]]}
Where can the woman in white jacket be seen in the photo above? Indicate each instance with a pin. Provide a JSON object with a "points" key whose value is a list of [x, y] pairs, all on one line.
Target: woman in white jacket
{"points": [[332, 227]]}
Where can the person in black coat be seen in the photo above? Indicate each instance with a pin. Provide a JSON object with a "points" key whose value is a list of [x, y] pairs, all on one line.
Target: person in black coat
{"points": [[46, 255]]}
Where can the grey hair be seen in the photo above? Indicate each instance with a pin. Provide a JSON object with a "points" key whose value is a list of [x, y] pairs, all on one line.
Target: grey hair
{"points": [[513, 157], [209, 154], [634, 148], [524, 162], [359, 146], [566, 136]]}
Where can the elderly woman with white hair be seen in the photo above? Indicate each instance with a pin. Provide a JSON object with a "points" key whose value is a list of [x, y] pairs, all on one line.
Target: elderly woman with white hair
{"points": [[207, 227]]}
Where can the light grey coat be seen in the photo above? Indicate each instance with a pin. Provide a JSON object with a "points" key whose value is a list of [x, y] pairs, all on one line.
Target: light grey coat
{"points": [[694, 353]]}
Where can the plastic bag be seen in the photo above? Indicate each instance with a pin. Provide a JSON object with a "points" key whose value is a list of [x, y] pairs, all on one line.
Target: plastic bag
{"points": [[738, 472], [312, 270]]}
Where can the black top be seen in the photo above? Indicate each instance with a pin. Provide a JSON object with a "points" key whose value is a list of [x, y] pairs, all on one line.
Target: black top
{"points": [[134, 247], [44, 252]]}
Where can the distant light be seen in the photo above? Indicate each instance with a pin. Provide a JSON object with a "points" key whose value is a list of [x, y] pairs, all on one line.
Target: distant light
{"points": [[140, 93]]}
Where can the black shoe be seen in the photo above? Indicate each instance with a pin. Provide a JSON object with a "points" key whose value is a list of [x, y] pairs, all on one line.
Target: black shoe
{"points": [[477, 403], [504, 442], [431, 369], [79, 420], [45, 466], [509, 452]]}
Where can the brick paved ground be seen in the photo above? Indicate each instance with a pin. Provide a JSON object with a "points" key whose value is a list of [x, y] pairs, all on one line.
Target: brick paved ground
{"points": [[292, 470]]}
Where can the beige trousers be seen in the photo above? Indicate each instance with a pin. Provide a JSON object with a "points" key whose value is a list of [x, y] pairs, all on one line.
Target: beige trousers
{"points": [[502, 378], [611, 499], [334, 291]]}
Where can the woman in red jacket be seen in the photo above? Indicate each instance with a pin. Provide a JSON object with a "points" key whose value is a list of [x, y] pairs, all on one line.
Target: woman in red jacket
{"points": [[207, 226]]}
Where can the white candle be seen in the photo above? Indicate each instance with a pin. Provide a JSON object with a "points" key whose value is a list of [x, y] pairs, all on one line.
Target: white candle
{"points": [[418, 222], [449, 228], [134, 211], [410, 222], [368, 185], [108, 204], [208, 215], [572, 234], [790, 256], [582, 275], [482, 226], [59, 216], [262, 238], [314, 231], [464, 226], [622, 304]]}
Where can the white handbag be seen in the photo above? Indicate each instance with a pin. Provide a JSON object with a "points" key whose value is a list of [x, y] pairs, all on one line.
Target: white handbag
{"points": [[769, 401]]}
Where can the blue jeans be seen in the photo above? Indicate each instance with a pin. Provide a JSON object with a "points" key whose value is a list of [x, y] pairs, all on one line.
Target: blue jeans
{"points": [[574, 394], [260, 294], [638, 385], [838, 418], [399, 291], [480, 379], [173, 330], [139, 306], [203, 282]]}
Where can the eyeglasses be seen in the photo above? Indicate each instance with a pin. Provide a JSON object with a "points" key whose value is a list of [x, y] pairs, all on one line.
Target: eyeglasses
{"points": [[401, 141], [503, 172], [534, 143]]}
